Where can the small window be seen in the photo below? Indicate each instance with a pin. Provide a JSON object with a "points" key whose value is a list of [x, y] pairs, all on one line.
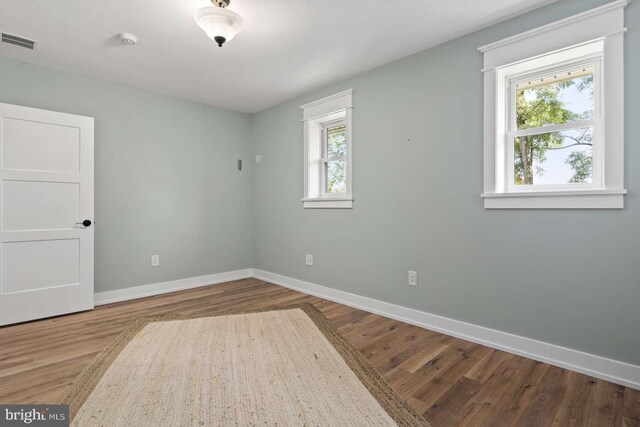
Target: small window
{"points": [[554, 115], [334, 147], [328, 152]]}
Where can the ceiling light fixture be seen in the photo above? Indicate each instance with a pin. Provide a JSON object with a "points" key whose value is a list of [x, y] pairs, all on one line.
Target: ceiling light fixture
{"points": [[220, 24]]}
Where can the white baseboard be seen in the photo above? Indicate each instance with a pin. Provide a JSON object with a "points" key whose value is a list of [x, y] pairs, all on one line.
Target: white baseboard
{"points": [[134, 292], [585, 363], [600, 367]]}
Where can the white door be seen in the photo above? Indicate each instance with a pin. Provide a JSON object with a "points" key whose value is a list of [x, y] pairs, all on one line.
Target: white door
{"points": [[46, 192]]}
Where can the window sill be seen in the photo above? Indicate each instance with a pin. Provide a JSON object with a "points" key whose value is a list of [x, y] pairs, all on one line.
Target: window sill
{"points": [[590, 199], [328, 203]]}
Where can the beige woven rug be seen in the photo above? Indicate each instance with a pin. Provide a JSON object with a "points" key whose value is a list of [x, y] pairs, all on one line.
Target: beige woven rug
{"points": [[284, 367]]}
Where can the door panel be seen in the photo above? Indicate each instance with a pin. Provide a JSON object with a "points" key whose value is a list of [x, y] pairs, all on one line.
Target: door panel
{"points": [[58, 146], [46, 188], [29, 266], [25, 201]]}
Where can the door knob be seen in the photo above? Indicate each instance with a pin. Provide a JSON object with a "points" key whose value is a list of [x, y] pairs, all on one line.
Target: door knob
{"points": [[86, 223]]}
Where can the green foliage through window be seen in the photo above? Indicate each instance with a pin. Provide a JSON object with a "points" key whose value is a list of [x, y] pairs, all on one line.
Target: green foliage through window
{"points": [[337, 176], [336, 165], [336, 141], [553, 101]]}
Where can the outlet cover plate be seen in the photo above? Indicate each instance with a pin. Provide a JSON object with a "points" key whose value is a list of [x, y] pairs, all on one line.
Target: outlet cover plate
{"points": [[413, 278]]}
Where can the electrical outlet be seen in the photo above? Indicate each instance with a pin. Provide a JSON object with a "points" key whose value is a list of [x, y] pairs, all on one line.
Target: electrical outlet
{"points": [[259, 158], [308, 259], [155, 260], [413, 278]]}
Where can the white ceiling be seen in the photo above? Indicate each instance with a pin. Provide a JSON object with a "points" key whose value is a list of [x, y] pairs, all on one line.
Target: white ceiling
{"points": [[287, 47]]}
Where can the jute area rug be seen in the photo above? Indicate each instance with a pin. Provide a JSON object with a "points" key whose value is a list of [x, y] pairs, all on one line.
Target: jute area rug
{"points": [[283, 367]]}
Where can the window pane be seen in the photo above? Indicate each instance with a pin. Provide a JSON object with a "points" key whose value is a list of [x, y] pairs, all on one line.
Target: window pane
{"points": [[336, 176], [337, 141], [554, 158], [558, 98]]}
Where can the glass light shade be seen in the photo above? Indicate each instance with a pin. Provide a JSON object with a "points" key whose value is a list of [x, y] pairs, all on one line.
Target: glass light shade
{"points": [[219, 22]]}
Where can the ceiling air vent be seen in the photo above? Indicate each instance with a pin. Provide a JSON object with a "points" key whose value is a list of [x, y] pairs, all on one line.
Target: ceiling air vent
{"points": [[18, 41]]}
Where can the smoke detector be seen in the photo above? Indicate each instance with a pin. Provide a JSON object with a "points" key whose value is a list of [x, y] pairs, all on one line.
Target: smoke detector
{"points": [[128, 39]]}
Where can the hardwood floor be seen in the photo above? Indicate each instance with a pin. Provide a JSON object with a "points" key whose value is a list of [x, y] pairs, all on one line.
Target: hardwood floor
{"points": [[451, 381]]}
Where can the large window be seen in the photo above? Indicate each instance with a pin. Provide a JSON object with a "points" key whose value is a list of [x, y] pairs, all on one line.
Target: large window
{"points": [[554, 120], [554, 128], [328, 152]]}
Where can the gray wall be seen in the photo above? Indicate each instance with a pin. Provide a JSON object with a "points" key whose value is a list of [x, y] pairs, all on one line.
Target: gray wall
{"points": [[567, 277], [165, 176], [166, 183]]}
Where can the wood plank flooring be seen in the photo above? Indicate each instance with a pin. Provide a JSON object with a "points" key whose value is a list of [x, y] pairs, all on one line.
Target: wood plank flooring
{"points": [[451, 381]]}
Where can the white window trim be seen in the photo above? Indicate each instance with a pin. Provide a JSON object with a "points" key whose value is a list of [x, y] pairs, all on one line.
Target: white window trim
{"points": [[605, 24], [316, 115]]}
